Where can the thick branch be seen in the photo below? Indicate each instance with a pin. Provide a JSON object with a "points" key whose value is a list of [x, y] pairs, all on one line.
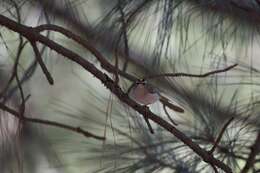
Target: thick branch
{"points": [[32, 34]]}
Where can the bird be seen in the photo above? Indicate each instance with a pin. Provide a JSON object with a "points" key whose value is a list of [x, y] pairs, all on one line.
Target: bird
{"points": [[144, 93]]}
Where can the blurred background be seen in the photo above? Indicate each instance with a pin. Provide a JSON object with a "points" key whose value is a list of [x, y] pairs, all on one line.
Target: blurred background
{"points": [[148, 37]]}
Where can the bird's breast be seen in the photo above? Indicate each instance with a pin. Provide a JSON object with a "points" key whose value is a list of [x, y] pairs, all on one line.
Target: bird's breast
{"points": [[142, 96]]}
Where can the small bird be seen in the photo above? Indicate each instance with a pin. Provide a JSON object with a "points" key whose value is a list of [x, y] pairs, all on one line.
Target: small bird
{"points": [[145, 94]]}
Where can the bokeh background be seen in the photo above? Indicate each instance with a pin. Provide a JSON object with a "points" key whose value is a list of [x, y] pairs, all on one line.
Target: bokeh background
{"points": [[148, 37]]}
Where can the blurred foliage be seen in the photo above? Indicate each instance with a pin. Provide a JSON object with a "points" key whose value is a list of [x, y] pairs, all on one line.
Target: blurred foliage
{"points": [[152, 36]]}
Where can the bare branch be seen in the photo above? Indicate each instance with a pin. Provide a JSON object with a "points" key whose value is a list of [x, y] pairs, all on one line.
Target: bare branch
{"points": [[15, 66], [255, 149], [147, 119], [220, 135], [165, 101], [32, 34], [86, 44], [168, 115], [41, 63], [124, 34], [190, 75], [49, 123]]}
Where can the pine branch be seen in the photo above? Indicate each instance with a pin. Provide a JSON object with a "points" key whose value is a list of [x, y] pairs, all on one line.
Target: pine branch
{"points": [[33, 35], [255, 149], [49, 123], [220, 135], [41, 63], [190, 75]]}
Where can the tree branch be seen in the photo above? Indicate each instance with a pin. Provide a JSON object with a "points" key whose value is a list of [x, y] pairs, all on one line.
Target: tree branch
{"points": [[220, 135], [190, 75], [87, 45], [41, 63], [32, 34], [49, 123], [255, 149]]}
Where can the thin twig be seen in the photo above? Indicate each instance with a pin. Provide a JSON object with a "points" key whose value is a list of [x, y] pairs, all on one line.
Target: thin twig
{"points": [[23, 79], [15, 66], [138, 10], [168, 115], [49, 123], [21, 46], [124, 34], [165, 101], [41, 63], [117, 68], [116, 60], [147, 120], [31, 69], [220, 135], [255, 149], [190, 75], [31, 33], [87, 45], [22, 106], [145, 149]]}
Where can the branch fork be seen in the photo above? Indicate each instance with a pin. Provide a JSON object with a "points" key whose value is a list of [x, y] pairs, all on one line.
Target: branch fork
{"points": [[31, 33]]}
